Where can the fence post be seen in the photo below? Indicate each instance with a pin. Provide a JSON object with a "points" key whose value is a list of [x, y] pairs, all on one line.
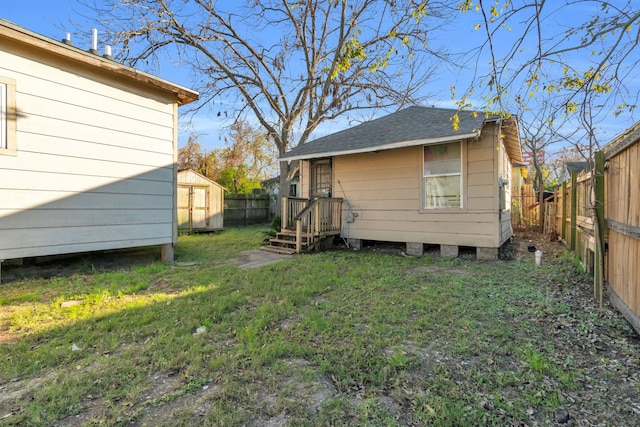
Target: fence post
{"points": [[563, 224], [574, 209], [600, 225]]}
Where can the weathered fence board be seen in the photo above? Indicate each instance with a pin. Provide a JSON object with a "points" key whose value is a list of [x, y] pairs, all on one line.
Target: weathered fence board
{"points": [[245, 209]]}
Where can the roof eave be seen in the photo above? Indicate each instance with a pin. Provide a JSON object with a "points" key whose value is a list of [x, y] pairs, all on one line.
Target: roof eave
{"points": [[21, 35], [391, 146]]}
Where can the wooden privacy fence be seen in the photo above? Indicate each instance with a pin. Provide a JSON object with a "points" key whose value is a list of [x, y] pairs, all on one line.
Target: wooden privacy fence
{"points": [[598, 216], [246, 209], [573, 222], [525, 209]]}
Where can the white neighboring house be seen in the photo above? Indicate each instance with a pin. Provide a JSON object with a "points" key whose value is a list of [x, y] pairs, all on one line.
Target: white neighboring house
{"points": [[88, 150]]}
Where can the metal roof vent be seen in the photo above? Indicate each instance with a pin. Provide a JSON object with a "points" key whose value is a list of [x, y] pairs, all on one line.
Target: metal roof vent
{"points": [[67, 40], [94, 42], [107, 53]]}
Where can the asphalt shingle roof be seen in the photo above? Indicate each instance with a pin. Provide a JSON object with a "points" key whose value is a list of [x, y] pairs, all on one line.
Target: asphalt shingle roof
{"points": [[576, 166], [410, 124]]}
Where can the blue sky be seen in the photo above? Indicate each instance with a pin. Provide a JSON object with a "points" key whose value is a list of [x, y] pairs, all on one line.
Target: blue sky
{"points": [[52, 18]]}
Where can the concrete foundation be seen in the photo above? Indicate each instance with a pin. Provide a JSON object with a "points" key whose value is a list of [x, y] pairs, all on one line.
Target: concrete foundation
{"points": [[355, 243], [487, 254], [415, 249], [449, 251]]}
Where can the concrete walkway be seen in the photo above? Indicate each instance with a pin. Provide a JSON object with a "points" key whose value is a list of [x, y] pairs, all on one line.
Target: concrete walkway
{"points": [[257, 258]]}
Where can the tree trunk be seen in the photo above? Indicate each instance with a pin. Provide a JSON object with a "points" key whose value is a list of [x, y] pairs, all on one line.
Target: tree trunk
{"points": [[283, 187], [540, 200]]}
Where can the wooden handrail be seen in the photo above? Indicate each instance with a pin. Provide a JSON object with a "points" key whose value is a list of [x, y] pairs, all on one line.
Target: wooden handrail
{"points": [[319, 217]]}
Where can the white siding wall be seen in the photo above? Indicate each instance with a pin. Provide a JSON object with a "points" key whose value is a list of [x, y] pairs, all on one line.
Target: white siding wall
{"points": [[505, 172], [94, 167], [384, 189]]}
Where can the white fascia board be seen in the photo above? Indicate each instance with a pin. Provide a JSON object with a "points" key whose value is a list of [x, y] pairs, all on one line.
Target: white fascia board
{"points": [[391, 146]]}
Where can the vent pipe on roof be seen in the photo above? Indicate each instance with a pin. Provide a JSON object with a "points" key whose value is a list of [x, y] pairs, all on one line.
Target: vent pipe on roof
{"points": [[94, 41], [67, 40], [107, 53]]}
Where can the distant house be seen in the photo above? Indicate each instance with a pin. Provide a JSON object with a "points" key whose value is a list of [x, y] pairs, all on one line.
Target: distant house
{"points": [[410, 177], [200, 202], [88, 150], [571, 167], [270, 185]]}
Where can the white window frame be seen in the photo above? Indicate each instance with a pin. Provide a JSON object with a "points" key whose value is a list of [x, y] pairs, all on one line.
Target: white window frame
{"points": [[7, 116], [425, 177]]}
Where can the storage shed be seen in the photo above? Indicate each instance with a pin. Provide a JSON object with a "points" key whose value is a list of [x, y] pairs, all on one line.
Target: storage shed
{"points": [[410, 177], [88, 153], [200, 202]]}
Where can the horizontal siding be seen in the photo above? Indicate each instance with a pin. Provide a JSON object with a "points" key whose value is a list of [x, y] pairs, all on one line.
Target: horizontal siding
{"points": [[59, 218], [430, 227], [482, 204], [417, 216], [415, 236], [384, 190], [63, 247], [85, 149], [31, 238], [94, 168], [484, 178], [480, 166], [383, 183], [83, 89], [506, 230], [63, 119], [20, 199], [49, 181], [42, 162]]}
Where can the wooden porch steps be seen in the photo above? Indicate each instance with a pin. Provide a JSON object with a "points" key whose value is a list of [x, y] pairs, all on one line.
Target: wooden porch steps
{"points": [[285, 242], [307, 224]]}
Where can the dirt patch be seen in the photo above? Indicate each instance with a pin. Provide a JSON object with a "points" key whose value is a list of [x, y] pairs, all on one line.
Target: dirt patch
{"points": [[257, 258]]}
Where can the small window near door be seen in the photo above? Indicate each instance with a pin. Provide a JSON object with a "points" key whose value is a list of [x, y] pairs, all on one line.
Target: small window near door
{"points": [[442, 175], [321, 178]]}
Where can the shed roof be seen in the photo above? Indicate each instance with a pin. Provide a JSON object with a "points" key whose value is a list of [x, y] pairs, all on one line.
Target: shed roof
{"points": [[19, 35], [408, 127], [190, 176]]}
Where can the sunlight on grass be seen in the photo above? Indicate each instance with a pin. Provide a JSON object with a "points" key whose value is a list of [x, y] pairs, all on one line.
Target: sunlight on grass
{"points": [[334, 338]]}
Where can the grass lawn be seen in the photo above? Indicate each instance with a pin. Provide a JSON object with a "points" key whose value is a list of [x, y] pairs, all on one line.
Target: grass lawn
{"points": [[336, 338]]}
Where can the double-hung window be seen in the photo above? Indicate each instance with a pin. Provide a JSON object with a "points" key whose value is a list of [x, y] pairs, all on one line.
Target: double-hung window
{"points": [[7, 116], [442, 175]]}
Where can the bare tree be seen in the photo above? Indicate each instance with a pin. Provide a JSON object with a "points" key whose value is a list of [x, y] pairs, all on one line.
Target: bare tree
{"points": [[584, 51], [290, 65], [539, 131]]}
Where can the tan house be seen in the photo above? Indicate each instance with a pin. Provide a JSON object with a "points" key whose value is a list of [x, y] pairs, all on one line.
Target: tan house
{"points": [[407, 177], [200, 202], [88, 150]]}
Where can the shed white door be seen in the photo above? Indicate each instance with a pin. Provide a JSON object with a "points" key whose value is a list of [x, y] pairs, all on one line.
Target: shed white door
{"points": [[184, 207], [193, 207], [199, 208]]}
